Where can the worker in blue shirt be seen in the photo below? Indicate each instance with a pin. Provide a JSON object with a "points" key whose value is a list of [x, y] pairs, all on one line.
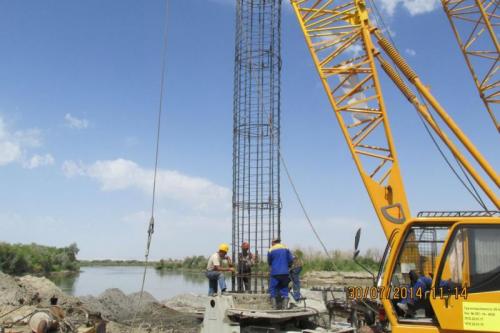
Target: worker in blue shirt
{"points": [[279, 259], [419, 285]]}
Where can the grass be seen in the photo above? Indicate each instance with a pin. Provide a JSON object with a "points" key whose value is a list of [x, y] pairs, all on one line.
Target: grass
{"points": [[312, 261]]}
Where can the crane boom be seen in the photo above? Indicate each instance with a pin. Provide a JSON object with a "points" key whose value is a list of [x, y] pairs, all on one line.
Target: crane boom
{"points": [[473, 23], [337, 36], [446, 247]]}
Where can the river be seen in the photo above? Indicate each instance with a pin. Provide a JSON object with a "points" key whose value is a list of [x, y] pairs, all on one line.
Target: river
{"points": [[161, 284]]}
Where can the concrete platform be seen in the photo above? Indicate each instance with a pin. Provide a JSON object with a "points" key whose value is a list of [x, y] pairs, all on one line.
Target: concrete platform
{"points": [[252, 313]]}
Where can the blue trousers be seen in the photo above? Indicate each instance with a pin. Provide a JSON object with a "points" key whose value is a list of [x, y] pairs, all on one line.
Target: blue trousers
{"points": [[278, 284], [295, 276], [214, 278]]}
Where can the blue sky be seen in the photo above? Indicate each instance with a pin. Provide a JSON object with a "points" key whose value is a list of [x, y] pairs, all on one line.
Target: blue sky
{"points": [[78, 101]]}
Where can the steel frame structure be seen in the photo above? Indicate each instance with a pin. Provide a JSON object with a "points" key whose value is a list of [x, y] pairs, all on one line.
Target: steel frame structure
{"points": [[256, 133], [336, 37], [340, 38], [474, 23]]}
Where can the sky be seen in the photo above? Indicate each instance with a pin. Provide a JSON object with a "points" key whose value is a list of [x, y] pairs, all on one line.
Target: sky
{"points": [[79, 94]]}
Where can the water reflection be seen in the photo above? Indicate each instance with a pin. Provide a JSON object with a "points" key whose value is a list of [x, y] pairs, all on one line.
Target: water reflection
{"points": [[162, 284], [65, 281], [192, 277]]}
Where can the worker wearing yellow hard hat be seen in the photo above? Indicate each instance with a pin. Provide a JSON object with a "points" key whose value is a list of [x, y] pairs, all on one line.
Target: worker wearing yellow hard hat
{"points": [[224, 247], [215, 270]]}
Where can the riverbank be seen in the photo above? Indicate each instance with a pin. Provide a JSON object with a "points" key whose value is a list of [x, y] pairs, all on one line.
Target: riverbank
{"points": [[22, 296], [32, 258], [111, 262]]}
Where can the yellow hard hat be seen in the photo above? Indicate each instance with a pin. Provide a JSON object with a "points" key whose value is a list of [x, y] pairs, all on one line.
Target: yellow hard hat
{"points": [[224, 247]]}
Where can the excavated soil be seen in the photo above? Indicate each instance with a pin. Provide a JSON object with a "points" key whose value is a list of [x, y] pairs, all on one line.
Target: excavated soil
{"points": [[21, 296], [123, 313]]}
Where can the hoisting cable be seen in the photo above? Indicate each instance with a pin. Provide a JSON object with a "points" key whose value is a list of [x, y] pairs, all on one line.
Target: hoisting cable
{"points": [[471, 183], [299, 199], [433, 138], [157, 151], [474, 192]]}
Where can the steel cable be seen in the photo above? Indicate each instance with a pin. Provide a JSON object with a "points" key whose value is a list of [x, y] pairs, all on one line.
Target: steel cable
{"points": [[474, 192], [157, 151], [299, 199]]}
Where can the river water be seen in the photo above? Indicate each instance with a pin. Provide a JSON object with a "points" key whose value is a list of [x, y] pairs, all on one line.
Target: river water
{"points": [[161, 284]]}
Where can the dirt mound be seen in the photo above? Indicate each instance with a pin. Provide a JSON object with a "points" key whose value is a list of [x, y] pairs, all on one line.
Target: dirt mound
{"points": [[45, 289], [191, 303], [337, 279], [10, 290], [113, 304], [30, 290], [124, 311]]}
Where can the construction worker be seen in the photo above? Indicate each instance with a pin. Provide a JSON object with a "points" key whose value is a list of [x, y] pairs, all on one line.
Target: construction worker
{"points": [[295, 275], [215, 270], [245, 262], [419, 284], [279, 259]]}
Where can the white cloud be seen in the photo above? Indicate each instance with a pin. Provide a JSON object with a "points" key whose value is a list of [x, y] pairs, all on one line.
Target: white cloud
{"points": [[9, 152], [14, 146], [38, 161], [74, 122], [120, 174], [29, 138], [72, 168], [414, 7], [388, 30], [390, 5], [355, 49], [411, 52]]}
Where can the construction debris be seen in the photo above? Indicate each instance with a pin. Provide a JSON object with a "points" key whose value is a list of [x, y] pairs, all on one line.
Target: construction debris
{"points": [[21, 298]]}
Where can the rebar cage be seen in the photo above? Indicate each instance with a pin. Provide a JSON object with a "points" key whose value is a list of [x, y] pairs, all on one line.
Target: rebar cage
{"points": [[256, 136]]}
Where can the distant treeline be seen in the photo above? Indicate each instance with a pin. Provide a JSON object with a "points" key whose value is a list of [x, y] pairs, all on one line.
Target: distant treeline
{"points": [[312, 261], [112, 262], [19, 259], [198, 263]]}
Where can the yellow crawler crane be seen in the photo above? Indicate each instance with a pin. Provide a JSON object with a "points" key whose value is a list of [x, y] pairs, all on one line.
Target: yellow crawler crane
{"points": [[458, 251], [473, 23]]}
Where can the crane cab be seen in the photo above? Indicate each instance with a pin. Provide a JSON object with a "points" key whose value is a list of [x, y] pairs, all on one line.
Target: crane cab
{"points": [[441, 273]]}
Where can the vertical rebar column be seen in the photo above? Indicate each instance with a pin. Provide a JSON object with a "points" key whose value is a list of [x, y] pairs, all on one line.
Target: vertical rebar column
{"points": [[256, 135]]}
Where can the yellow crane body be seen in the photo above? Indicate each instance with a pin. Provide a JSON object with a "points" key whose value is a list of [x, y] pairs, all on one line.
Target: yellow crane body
{"points": [[473, 23], [456, 253], [451, 311], [353, 89]]}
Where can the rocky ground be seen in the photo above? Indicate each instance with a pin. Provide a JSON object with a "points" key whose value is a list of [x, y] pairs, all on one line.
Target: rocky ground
{"points": [[21, 296]]}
